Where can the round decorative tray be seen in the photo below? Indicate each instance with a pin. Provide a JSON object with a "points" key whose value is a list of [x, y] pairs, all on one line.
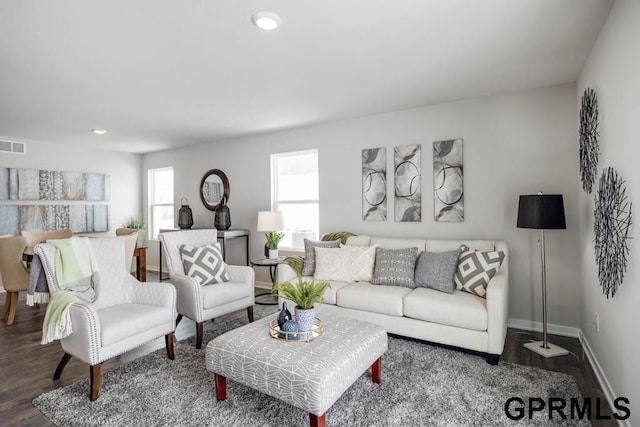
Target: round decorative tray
{"points": [[304, 336]]}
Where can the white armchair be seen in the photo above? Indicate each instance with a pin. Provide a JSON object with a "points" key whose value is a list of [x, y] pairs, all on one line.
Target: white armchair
{"points": [[125, 314], [200, 303]]}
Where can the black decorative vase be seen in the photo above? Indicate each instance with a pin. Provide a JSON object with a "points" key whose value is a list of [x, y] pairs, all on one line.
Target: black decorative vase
{"points": [[222, 219], [284, 316], [185, 216]]}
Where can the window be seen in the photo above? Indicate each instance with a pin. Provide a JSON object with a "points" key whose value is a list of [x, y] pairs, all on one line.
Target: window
{"points": [[160, 200], [294, 188]]}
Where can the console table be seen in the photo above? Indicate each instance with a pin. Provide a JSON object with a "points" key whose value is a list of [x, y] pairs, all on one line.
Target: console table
{"points": [[223, 237]]}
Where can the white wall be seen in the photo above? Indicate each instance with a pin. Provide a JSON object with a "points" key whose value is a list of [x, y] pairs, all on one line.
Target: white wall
{"points": [[613, 71], [124, 170], [514, 144]]}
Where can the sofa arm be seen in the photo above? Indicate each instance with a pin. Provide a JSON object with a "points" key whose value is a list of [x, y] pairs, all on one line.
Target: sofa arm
{"points": [[188, 297], [497, 310]]}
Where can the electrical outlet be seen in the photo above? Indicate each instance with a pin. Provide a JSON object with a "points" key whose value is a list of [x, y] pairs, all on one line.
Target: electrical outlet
{"points": [[597, 322]]}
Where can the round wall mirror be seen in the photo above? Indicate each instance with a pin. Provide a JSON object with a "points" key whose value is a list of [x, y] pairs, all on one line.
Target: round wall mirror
{"points": [[213, 187]]}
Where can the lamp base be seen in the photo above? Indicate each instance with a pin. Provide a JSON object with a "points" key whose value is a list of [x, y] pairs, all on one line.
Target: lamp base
{"points": [[552, 350]]}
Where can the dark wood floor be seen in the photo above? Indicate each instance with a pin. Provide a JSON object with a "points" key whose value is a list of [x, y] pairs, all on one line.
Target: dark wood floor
{"points": [[26, 367]]}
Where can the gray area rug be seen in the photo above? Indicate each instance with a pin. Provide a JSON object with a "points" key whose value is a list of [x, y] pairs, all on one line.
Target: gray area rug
{"points": [[421, 385]]}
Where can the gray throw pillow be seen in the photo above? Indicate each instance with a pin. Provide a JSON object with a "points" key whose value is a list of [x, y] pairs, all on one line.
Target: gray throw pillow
{"points": [[395, 267], [204, 264], [475, 270], [309, 266], [435, 270]]}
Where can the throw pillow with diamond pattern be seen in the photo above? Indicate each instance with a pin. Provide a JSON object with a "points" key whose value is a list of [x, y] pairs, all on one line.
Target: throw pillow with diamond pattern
{"points": [[204, 264], [475, 270]]}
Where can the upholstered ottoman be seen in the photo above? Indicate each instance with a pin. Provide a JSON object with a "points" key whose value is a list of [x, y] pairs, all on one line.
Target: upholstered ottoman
{"points": [[309, 375]]}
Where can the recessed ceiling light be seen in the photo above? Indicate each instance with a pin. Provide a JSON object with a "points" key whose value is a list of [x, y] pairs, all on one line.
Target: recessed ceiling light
{"points": [[99, 131], [266, 20]]}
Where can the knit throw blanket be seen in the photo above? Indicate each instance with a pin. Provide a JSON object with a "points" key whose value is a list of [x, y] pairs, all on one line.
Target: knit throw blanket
{"points": [[77, 275]]}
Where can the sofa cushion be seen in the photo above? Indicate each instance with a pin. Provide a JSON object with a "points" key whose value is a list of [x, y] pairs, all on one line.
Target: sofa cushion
{"points": [[374, 298], [359, 241], [123, 321], [204, 264], [395, 243], [475, 270], [460, 309], [435, 270], [395, 267], [333, 264], [329, 296], [309, 266], [362, 262], [450, 245]]}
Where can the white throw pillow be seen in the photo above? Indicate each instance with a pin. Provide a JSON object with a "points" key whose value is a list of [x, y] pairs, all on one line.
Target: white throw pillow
{"points": [[333, 264], [363, 260]]}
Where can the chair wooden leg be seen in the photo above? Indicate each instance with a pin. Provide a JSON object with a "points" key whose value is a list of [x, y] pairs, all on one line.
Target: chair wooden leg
{"points": [[96, 377], [13, 305], [63, 362], [250, 314], [199, 333], [168, 341], [178, 319], [7, 303]]}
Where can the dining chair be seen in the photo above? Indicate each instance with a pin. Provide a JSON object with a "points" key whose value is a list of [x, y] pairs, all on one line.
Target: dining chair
{"points": [[15, 277]]}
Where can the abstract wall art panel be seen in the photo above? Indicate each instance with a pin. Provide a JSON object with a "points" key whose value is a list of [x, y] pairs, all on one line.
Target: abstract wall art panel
{"points": [[448, 188], [40, 184], [374, 184], [407, 176], [79, 218]]}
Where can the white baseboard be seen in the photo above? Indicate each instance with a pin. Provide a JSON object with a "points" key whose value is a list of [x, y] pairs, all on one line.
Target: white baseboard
{"points": [[530, 325], [568, 331], [602, 378]]}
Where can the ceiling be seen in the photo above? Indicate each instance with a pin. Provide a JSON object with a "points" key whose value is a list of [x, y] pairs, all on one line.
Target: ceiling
{"points": [[159, 74]]}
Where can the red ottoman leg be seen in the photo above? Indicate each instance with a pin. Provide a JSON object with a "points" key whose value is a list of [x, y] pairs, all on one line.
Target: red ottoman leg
{"points": [[317, 421], [221, 387], [376, 370]]}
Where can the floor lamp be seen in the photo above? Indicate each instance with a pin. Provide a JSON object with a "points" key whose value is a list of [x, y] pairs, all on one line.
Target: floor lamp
{"points": [[543, 212]]}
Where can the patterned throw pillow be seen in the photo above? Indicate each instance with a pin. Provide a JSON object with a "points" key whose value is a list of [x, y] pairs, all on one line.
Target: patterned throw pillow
{"points": [[362, 261], [333, 264], [309, 266], [475, 270], [395, 267], [435, 270], [204, 264]]}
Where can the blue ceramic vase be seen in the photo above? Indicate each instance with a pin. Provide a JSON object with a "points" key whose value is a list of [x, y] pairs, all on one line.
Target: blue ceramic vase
{"points": [[284, 316]]}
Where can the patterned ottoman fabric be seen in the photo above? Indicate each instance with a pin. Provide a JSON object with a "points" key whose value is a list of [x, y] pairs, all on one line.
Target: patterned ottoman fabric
{"points": [[310, 376]]}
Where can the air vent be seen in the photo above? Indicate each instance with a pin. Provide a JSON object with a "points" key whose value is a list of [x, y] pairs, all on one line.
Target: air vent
{"points": [[13, 147]]}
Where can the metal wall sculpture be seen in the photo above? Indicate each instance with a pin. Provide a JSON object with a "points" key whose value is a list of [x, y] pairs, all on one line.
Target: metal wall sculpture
{"points": [[448, 180], [589, 148], [612, 219], [407, 176], [374, 184]]}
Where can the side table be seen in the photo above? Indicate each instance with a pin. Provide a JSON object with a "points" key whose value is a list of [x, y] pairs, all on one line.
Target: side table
{"points": [[272, 264]]}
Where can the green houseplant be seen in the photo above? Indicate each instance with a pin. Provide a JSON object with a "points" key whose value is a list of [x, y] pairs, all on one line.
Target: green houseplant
{"points": [[271, 247], [137, 224], [304, 293]]}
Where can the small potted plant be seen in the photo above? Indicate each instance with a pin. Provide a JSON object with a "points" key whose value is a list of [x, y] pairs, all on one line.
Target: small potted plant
{"points": [[271, 248], [304, 293], [137, 224]]}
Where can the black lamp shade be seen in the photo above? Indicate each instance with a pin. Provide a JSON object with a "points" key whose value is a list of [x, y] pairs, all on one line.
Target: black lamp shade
{"points": [[541, 211]]}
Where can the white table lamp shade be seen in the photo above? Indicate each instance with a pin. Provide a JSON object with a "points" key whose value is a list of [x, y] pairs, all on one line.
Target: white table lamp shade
{"points": [[270, 221]]}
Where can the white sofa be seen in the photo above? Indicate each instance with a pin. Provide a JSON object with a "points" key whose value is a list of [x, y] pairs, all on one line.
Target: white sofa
{"points": [[459, 319]]}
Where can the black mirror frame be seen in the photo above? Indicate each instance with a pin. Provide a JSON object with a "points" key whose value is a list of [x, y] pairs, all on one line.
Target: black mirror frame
{"points": [[225, 183]]}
